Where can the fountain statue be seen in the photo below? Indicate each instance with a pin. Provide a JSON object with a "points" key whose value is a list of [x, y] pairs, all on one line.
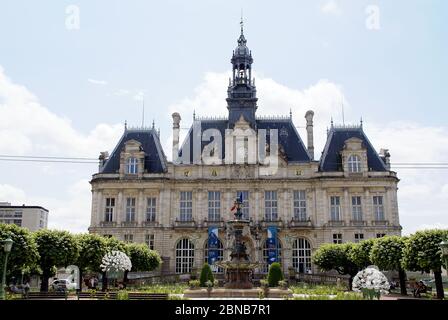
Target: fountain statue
{"points": [[239, 269]]}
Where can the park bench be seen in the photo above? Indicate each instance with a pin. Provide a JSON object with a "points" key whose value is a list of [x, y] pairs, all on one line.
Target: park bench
{"points": [[99, 295], [45, 295], [147, 296]]}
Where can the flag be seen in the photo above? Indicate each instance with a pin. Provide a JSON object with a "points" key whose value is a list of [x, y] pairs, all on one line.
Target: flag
{"points": [[213, 243]]}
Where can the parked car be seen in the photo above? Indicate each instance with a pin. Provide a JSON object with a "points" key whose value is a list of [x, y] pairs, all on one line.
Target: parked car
{"points": [[63, 285]]}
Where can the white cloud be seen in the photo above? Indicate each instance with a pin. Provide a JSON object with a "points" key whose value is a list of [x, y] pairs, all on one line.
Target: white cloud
{"points": [[331, 7], [71, 212], [28, 128], [98, 82]]}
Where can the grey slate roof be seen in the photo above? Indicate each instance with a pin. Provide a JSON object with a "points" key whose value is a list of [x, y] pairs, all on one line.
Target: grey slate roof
{"points": [[331, 157], [155, 160], [289, 138]]}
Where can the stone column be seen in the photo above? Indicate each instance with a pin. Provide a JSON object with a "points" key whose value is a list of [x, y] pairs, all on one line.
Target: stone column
{"points": [[141, 216], [368, 207], [120, 208], [346, 212], [100, 207]]}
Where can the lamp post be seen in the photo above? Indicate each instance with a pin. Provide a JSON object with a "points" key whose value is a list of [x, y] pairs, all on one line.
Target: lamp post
{"points": [[444, 246], [7, 245]]}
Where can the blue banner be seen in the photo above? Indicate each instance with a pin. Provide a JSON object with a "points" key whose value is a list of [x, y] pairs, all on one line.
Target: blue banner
{"points": [[213, 245], [271, 245]]}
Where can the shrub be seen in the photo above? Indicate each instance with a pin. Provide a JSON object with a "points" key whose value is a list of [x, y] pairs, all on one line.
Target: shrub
{"points": [[194, 284], [206, 275], [275, 274]]}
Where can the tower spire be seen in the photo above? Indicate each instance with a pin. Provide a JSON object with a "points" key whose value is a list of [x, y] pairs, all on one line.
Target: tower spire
{"points": [[242, 22]]}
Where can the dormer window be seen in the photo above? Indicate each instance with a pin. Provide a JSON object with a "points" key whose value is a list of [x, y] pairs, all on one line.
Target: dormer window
{"points": [[131, 165], [354, 164]]}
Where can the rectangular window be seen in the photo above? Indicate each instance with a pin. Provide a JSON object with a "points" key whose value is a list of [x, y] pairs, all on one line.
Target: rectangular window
{"points": [[359, 237], [356, 208], [337, 238], [149, 239], [41, 224], [128, 238], [214, 205], [378, 208], [186, 206], [245, 205], [270, 206], [130, 209], [18, 222], [335, 208], [380, 235], [300, 206], [18, 214], [151, 206], [109, 210]]}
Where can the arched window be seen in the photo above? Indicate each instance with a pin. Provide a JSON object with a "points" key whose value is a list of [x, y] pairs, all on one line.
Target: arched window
{"points": [[354, 164], [184, 256], [265, 267], [220, 256], [131, 165], [301, 255]]}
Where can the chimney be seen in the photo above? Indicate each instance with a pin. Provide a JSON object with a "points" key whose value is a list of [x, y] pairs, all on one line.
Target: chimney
{"points": [[309, 130], [176, 128]]}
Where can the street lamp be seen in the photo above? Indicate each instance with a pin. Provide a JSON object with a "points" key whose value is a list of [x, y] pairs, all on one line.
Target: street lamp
{"points": [[7, 246], [444, 246]]}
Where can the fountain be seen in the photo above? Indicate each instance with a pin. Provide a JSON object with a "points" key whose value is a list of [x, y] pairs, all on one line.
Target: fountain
{"points": [[239, 269]]}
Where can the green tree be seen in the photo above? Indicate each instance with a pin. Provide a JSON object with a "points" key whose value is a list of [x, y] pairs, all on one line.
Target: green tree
{"points": [[387, 254], [56, 249], [360, 253], [336, 257], [24, 255], [142, 258], [206, 275], [275, 274], [422, 253], [92, 248]]}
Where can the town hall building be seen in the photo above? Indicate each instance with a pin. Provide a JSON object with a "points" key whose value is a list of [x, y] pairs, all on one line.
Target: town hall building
{"points": [[347, 195]]}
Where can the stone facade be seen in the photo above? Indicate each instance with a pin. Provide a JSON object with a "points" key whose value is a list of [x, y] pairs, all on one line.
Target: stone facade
{"points": [[348, 195]]}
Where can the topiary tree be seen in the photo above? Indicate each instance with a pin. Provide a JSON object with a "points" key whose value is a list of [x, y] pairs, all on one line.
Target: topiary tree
{"points": [[275, 274], [206, 275], [387, 254], [56, 249], [422, 253], [92, 248], [360, 253], [336, 257], [142, 258], [112, 244], [24, 255]]}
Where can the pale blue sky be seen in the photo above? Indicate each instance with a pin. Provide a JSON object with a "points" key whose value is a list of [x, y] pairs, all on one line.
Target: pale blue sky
{"points": [[165, 48]]}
